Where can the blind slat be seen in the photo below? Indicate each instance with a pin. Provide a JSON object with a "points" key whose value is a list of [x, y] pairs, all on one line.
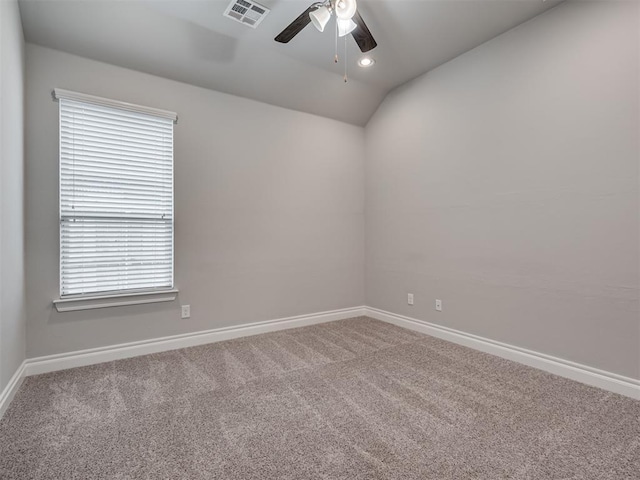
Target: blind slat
{"points": [[129, 159], [112, 124], [135, 139]]}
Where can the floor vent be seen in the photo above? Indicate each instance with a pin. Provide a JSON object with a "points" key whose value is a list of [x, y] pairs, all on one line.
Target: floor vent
{"points": [[246, 12]]}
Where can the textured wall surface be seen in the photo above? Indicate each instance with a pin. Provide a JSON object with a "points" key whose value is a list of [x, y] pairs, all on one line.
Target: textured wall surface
{"points": [[269, 209], [505, 183], [12, 317]]}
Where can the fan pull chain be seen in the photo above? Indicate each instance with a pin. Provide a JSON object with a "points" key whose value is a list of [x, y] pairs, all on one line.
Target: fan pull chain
{"points": [[345, 59], [335, 59]]}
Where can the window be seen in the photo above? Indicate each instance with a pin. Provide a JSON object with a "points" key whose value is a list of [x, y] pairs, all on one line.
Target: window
{"points": [[116, 197]]}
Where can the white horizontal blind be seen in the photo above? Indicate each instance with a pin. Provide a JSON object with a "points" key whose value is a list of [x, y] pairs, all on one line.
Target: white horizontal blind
{"points": [[116, 199]]}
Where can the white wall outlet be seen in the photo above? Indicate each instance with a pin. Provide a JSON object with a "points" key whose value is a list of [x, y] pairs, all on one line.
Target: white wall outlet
{"points": [[438, 305], [410, 298], [186, 311]]}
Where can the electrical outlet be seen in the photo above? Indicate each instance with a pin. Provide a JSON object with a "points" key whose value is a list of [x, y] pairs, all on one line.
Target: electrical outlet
{"points": [[438, 305], [410, 298], [186, 311]]}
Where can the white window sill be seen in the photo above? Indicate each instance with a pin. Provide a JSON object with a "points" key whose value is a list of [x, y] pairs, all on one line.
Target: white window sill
{"points": [[72, 304]]}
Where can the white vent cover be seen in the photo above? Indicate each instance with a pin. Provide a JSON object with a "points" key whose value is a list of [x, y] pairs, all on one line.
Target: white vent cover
{"points": [[246, 12]]}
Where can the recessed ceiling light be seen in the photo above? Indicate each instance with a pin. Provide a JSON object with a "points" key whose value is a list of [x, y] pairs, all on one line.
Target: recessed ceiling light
{"points": [[366, 62]]}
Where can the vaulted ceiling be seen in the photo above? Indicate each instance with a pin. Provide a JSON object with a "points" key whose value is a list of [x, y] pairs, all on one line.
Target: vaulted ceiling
{"points": [[192, 42]]}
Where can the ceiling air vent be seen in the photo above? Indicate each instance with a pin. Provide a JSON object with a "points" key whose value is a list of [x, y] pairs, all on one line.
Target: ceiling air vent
{"points": [[246, 12]]}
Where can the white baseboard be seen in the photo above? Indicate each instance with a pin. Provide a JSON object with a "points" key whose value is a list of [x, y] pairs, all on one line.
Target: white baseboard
{"points": [[629, 387], [599, 378], [11, 389], [63, 361]]}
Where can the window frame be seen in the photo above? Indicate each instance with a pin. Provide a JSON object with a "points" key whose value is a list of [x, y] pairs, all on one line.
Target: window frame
{"points": [[131, 296]]}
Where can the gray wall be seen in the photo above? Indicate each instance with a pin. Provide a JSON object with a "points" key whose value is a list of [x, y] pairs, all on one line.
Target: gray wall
{"points": [[505, 183], [12, 318], [269, 209]]}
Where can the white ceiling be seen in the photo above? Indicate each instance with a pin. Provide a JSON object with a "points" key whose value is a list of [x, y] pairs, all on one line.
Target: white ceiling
{"points": [[190, 41]]}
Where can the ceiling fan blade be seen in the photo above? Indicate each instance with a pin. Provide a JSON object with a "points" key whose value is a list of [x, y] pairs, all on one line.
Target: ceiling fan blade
{"points": [[296, 26], [362, 35]]}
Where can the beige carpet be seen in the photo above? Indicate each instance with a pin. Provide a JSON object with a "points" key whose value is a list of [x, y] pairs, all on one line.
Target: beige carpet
{"points": [[355, 399]]}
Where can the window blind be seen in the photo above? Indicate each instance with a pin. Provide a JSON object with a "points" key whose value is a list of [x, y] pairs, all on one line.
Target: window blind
{"points": [[116, 199]]}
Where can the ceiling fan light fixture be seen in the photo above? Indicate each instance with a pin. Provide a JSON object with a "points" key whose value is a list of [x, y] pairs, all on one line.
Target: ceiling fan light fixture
{"points": [[346, 9], [345, 27], [320, 17]]}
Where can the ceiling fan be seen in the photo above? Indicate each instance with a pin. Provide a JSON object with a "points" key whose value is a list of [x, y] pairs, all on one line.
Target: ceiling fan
{"points": [[348, 19]]}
